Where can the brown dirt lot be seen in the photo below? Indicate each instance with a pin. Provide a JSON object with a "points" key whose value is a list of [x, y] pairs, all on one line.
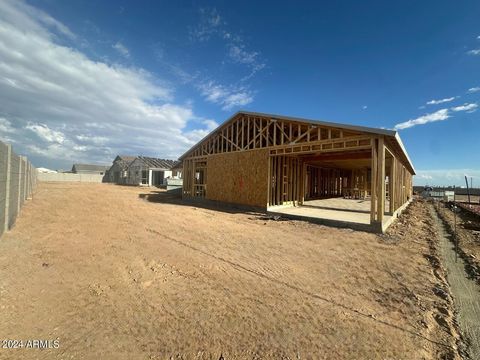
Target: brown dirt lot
{"points": [[114, 276], [468, 234], [474, 199]]}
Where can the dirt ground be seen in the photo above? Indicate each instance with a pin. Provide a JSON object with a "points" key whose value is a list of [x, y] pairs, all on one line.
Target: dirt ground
{"points": [[474, 199], [117, 272], [468, 234], [464, 289]]}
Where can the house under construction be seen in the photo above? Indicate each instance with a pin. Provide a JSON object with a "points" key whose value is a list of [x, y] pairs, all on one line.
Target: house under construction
{"points": [[338, 174]]}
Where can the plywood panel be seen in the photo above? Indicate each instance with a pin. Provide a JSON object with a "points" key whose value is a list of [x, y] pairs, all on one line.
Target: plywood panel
{"points": [[239, 177]]}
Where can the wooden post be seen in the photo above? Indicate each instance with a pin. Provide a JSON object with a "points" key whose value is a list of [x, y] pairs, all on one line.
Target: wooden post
{"points": [[269, 179], [381, 180], [243, 133], [254, 132], [193, 178], [236, 135], [268, 133], [248, 133], [184, 182], [393, 184], [373, 189], [303, 183]]}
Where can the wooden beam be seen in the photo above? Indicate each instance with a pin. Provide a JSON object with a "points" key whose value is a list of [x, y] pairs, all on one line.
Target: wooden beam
{"points": [[248, 132], [232, 144], [391, 187], [363, 154], [381, 180], [255, 137], [373, 189], [268, 133], [254, 132], [243, 132], [307, 134], [274, 133]]}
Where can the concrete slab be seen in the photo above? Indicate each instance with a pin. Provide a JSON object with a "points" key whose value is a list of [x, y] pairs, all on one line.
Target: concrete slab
{"points": [[338, 212]]}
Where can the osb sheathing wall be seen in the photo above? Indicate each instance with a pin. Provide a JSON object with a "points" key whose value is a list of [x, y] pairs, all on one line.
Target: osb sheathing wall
{"points": [[239, 177]]}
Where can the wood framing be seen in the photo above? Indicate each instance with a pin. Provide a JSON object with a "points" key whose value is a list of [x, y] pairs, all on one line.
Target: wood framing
{"points": [[268, 160]]}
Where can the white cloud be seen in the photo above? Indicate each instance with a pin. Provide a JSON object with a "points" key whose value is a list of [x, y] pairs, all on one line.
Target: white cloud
{"points": [[97, 140], [212, 25], [474, 89], [238, 99], [364, 107], [441, 101], [210, 124], [425, 176], [213, 92], [466, 107], [33, 19], [201, 133], [122, 49], [439, 115], [45, 133], [445, 177], [227, 97], [54, 93], [238, 54], [209, 24], [474, 52], [6, 126]]}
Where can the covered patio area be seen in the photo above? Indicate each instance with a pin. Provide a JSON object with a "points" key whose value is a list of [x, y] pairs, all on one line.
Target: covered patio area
{"points": [[341, 212], [363, 188]]}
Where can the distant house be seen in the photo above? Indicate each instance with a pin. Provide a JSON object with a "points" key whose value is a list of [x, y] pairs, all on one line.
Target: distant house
{"points": [[89, 169], [177, 169], [149, 171], [118, 172]]}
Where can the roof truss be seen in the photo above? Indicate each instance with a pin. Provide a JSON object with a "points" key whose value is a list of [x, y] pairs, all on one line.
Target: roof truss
{"points": [[249, 132]]}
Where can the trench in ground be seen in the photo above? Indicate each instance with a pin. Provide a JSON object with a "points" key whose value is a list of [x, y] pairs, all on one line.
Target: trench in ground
{"points": [[465, 291]]}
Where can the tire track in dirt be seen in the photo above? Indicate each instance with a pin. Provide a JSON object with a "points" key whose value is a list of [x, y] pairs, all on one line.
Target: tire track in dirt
{"points": [[303, 291]]}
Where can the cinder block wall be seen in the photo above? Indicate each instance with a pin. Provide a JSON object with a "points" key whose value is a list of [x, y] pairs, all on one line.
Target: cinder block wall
{"points": [[67, 177], [18, 179]]}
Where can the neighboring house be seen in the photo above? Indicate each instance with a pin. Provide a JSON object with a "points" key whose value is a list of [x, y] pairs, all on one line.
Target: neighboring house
{"points": [[90, 169], [177, 169], [118, 172], [149, 171]]}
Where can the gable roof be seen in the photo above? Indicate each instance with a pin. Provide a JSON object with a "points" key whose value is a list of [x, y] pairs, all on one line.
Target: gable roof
{"points": [[89, 167], [157, 163], [178, 165], [122, 161], [392, 135], [127, 158]]}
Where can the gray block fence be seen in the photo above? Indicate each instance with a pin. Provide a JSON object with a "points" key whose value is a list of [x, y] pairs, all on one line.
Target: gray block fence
{"points": [[18, 179]]}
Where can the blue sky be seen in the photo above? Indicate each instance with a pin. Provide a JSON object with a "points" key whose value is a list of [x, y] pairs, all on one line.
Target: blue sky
{"points": [[82, 81]]}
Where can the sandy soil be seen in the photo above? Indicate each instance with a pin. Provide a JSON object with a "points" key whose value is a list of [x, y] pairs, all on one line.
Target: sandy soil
{"points": [[112, 275], [465, 291], [468, 234], [474, 199]]}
